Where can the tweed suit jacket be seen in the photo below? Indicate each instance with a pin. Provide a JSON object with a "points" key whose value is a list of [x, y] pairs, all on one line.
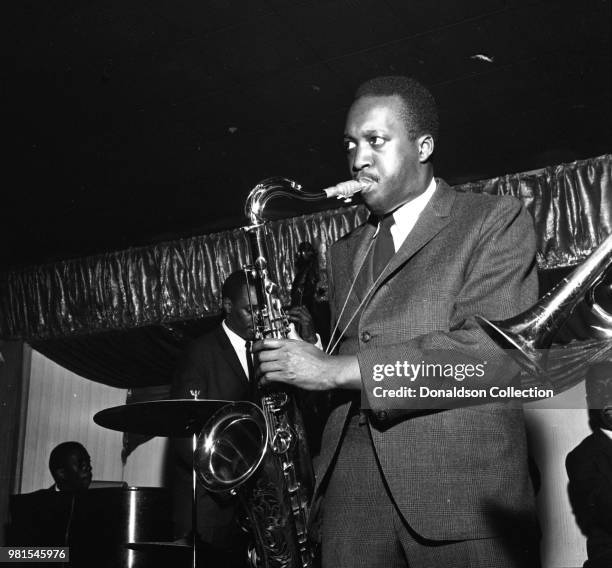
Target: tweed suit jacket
{"points": [[589, 468], [210, 365], [458, 473]]}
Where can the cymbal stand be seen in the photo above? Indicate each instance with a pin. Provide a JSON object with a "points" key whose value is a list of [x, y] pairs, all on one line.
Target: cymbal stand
{"points": [[194, 498]]}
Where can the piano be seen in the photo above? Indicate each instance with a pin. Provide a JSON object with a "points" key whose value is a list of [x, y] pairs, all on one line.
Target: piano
{"points": [[96, 524]]}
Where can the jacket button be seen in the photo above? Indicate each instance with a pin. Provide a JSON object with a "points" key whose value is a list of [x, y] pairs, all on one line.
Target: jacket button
{"points": [[365, 336], [381, 415]]}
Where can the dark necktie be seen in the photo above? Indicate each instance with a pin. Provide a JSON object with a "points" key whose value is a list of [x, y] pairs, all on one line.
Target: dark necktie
{"points": [[251, 369], [383, 247]]}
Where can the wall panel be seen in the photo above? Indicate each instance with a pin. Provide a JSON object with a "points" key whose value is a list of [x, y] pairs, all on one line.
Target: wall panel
{"points": [[60, 407]]}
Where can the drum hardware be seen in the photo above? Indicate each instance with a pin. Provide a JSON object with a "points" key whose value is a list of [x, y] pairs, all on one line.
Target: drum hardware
{"points": [[174, 418]]}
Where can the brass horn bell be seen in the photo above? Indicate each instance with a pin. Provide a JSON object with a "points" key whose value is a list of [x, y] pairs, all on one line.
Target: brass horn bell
{"points": [[530, 333]]}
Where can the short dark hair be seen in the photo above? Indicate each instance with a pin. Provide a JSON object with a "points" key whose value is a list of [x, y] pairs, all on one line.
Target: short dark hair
{"points": [[420, 110], [233, 286], [59, 454]]}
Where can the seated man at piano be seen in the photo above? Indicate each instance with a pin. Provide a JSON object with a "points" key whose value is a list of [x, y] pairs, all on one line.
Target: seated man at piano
{"points": [[70, 467], [218, 365], [40, 519]]}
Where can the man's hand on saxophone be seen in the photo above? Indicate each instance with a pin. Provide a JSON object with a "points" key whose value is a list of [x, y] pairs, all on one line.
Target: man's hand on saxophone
{"points": [[303, 365], [304, 328]]}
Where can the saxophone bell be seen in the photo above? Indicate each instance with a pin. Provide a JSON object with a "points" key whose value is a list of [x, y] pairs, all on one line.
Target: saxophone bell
{"points": [[231, 446]]}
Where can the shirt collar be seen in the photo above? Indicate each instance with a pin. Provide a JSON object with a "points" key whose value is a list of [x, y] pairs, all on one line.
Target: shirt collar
{"points": [[607, 432], [234, 338], [406, 216], [239, 346], [411, 210]]}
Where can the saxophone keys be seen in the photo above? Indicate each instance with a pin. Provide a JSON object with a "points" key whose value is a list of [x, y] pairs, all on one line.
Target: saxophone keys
{"points": [[281, 441]]}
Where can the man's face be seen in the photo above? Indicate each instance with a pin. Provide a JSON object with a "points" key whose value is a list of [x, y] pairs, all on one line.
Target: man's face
{"points": [[75, 475], [238, 313], [606, 417], [600, 398], [379, 149]]}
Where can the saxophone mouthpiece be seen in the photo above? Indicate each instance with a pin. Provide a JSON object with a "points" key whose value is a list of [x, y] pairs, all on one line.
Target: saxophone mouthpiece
{"points": [[346, 189]]}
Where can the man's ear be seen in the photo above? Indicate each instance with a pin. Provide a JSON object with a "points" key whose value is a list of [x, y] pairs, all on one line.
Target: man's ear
{"points": [[227, 306], [59, 474], [426, 147]]}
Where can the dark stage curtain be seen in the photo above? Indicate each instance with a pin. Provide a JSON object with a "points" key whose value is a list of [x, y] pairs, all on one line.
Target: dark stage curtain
{"points": [[121, 318], [571, 205], [161, 284]]}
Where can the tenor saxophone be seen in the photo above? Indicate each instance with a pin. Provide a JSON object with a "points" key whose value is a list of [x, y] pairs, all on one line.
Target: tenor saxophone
{"points": [[259, 451]]}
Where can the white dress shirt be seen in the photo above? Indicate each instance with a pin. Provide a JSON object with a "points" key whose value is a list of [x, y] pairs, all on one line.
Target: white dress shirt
{"points": [[607, 432], [407, 215], [239, 346]]}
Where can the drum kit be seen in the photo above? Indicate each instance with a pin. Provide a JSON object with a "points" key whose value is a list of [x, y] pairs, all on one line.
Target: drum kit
{"points": [[174, 418]]}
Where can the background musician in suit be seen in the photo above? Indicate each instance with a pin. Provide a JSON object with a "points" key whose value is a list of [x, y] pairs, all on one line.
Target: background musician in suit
{"points": [[589, 468], [217, 365], [410, 482], [43, 517], [70, 466]]}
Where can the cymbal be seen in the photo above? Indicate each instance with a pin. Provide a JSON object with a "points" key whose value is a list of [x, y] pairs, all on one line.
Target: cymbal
{"points": [[172, 418], [158, 546]]}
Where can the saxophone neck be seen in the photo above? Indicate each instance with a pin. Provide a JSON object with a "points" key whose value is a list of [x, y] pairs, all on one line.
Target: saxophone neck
{"points": [[269, 317], [259, 208]]}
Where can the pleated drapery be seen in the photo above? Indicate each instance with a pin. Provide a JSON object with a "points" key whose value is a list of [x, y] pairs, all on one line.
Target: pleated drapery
{"points": [[163, 283]]}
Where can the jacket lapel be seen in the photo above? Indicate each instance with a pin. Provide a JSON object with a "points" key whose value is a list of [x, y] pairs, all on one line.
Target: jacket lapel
{"points": [[432, 220], [229, 353]]}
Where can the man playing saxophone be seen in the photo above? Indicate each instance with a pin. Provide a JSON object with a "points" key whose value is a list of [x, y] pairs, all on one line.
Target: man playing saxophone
{"points": [[417, 482], [218, 366]]}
